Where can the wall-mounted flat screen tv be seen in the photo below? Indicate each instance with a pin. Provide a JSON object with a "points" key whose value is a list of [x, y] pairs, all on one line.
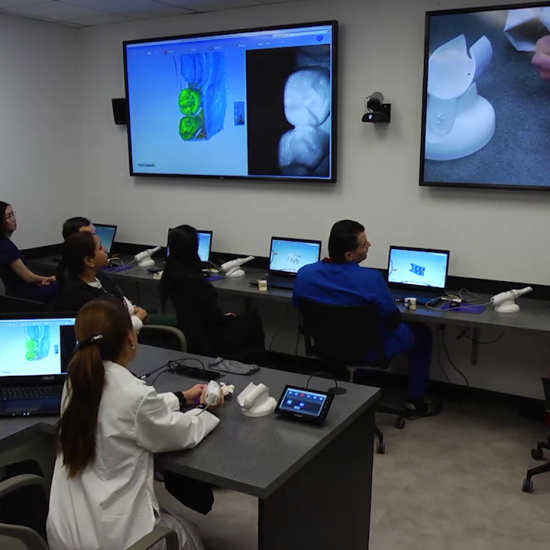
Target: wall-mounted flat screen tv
{"points": [[257, 104], [486, 103]]}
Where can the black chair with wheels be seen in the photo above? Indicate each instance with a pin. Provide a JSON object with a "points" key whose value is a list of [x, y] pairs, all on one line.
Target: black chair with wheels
{"points": [[345, 336], [538, 453]]}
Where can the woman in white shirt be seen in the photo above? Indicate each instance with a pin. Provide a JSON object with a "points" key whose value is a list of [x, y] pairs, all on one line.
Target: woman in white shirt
{"points": [[102, 494]]}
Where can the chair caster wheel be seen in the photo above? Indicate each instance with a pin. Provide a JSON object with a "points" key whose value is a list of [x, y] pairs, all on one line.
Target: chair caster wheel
{"points": [[527, 486], [381, 448], [537, 454], [400, 424]]}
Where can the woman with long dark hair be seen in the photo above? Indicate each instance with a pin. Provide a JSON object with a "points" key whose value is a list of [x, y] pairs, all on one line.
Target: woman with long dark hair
{"points": [[81, 277], [208, 330], [102, 491], [18, 279]]}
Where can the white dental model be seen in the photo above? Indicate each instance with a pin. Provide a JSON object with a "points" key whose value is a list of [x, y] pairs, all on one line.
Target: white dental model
{"points": [[459, 122]]}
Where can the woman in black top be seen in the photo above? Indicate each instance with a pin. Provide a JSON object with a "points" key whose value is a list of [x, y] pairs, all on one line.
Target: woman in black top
{"points": [[81, 278], [18, 279], [208, 330]]}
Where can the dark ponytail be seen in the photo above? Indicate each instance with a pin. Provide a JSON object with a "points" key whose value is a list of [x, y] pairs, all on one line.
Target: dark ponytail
{"points": [[75, 250], [101, 328], [4, 233]]}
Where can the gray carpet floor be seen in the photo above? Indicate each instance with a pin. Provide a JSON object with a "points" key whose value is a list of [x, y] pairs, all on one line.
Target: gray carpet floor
{"points": [[451, 482]]}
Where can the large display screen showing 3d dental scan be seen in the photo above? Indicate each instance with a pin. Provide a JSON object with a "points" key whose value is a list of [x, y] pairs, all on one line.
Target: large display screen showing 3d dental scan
{"points": [[486, 116], [258, 104]]}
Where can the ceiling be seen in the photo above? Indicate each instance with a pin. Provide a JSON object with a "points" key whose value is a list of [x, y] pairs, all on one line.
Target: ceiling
{"points": [[84, 13]]}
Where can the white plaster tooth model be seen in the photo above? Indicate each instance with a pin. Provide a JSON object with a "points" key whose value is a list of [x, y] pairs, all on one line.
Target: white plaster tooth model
{"points": [[459, 121]]}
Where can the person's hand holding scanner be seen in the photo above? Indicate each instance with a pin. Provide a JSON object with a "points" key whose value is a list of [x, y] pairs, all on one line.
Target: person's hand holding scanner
{"points": [[193, 395], [541, 59], [203, 399]]}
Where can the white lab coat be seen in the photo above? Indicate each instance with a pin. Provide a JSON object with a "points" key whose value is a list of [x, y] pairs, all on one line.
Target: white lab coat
{"points": [[113, 504]]}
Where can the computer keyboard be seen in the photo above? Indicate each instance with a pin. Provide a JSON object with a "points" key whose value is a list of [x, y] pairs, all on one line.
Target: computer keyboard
{"points": [[30, 392]]}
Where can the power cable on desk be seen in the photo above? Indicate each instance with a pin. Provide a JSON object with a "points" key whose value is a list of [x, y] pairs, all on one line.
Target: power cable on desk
{"points": [[451, 361]]}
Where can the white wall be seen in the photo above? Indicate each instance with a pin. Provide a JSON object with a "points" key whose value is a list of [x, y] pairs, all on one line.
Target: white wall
{"points": [[37, 124], [491, 235]]}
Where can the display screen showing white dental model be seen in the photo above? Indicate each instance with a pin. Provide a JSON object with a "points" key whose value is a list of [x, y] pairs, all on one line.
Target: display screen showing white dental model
{"points": [[37, 347], [486, 117], [257, 104], [290, 255], [417, 267]]}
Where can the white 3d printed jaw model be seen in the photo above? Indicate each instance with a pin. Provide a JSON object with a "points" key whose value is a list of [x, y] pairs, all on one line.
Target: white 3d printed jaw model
{"points": [[459, 122]]}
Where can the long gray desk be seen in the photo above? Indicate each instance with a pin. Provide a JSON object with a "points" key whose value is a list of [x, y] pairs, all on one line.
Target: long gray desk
{"points": [[533, 316], [313, 484]]}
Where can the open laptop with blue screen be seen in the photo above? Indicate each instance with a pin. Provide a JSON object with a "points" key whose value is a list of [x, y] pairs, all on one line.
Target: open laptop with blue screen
{"points": [[35, 351], [287, 257], [205, 245], [417, 272], [107, 235]]}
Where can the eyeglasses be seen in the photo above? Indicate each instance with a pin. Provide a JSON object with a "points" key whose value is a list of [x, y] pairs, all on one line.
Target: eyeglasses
{"points": [[11, 215]]}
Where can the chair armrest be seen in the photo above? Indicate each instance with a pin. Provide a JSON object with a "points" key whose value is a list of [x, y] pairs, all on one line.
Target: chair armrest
{"points": [[18, 482], [24, 535], [155, 536], [174, 332]]}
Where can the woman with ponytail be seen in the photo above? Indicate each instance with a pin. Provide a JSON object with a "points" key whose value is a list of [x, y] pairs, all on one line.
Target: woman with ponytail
{"points": [[102, 491]]}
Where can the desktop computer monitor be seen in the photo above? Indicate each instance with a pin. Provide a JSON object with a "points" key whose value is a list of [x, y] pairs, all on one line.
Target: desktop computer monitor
{"points": [[205, 244], [107, 235], [287, 256]]}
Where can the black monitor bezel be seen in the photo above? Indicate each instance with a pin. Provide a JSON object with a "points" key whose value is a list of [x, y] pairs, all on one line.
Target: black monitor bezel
{"points": [[334, 105], [454, 185]]}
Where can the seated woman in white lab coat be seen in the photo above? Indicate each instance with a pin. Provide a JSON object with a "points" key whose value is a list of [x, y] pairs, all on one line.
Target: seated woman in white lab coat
{"points": [[102, 493]]}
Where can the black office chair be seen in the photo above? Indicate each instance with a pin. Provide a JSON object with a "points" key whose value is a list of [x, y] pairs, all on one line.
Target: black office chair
{"points": [[538, 453], [344, 337], [11, 304]]}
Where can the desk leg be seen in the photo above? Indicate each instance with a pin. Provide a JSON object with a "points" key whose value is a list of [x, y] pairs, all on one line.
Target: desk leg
{"points": [[326, 505]]}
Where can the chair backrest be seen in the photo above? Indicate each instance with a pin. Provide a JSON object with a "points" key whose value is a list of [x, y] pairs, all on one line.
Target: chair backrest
{"points": [[8, 278], [10, 304], [341, 334], [2, 288], [24, 510]]}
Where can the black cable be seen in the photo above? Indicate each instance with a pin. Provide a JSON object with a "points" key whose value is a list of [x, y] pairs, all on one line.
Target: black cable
{"points": [[439, 357], [280, 328], [485, 343], [451, 361], [152, 382], [331, 377], [298, 341]]}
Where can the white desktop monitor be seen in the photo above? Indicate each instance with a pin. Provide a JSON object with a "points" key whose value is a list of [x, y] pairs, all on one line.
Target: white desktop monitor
{"points": [[205, 244], [107, 235], [417, 267], [287, 256], [35, 345]]}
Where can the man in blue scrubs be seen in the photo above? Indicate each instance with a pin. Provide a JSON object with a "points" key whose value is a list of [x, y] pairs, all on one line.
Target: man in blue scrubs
{"points": [[340, 280]]}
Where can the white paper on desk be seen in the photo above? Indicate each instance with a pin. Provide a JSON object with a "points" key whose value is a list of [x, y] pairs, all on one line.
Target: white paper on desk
{"points": [[525, 26]]}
